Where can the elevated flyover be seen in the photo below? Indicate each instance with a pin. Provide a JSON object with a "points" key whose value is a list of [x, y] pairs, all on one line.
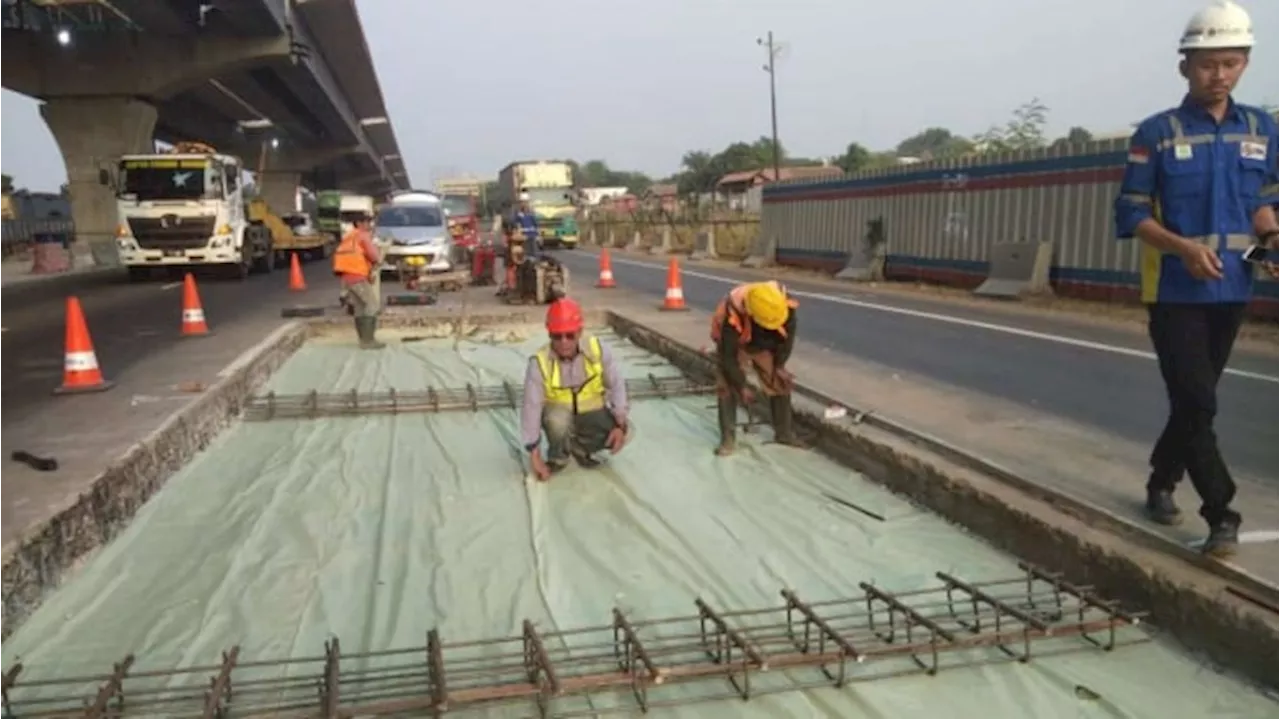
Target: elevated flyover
{"points": [[292, 75]]}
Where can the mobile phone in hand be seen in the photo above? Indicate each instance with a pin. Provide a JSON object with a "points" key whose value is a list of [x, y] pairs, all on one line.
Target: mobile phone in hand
{"points": [[1256, 254]]}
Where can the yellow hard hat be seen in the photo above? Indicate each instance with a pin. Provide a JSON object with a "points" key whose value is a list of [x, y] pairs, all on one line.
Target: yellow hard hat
{"points": [[767, 305]]}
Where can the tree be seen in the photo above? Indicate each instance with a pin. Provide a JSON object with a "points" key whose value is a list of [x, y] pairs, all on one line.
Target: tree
{"points": [[855, 158], [1024, 131], [934, 143], [7, 181], [1075, 136]]}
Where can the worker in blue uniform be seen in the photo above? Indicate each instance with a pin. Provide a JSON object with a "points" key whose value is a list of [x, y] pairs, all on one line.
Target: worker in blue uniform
{"points": [[1199, 191], [528, 224]]}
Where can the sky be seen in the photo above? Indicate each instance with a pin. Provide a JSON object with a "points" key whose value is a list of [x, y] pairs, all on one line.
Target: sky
{"points": [[473, 86]]}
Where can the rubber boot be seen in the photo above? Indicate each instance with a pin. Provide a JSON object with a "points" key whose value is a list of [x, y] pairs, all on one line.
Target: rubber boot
{"points": [[784, 430], [727, 407], [366, 327]]}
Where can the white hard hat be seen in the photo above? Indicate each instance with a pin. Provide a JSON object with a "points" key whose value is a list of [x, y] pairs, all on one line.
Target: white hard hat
{"points": [[1221, 25], [524, 197]]}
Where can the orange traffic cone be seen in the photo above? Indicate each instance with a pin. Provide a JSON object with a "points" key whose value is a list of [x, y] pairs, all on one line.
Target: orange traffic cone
{"points": [[675, 291], [296, 281], [80, 371], [606, 270], [193, 324]]}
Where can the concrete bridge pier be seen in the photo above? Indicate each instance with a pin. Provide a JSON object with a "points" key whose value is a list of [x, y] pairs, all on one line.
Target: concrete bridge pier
{"points": [[279, 189], [92, 133]]}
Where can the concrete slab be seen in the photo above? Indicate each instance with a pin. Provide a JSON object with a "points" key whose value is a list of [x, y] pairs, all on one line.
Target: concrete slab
{"points": [[376, 529]]}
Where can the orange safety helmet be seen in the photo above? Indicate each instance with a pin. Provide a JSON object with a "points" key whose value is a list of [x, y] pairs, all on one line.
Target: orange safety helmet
{"points": [[564, 316]]}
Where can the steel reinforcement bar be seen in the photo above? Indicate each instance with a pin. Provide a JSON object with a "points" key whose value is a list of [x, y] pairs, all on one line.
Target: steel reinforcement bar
{"points": [[622, 666], [464, 399]]}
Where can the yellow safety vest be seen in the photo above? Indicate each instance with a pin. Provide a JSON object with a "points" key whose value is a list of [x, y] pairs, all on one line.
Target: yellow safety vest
{"points": [[590, 396]]}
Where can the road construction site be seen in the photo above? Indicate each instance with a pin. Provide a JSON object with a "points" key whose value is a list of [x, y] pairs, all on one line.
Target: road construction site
{"points": [[1069, 404], [419, 530]]}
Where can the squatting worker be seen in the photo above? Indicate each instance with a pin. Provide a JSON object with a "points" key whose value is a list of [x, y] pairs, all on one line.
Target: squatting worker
{"points": [[575, 393], [1199, 190], [354, 262], [754, 326]]}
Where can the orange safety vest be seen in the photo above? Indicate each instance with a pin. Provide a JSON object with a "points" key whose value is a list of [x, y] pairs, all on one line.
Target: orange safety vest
{"points": [[734, 307], [349, 258]]}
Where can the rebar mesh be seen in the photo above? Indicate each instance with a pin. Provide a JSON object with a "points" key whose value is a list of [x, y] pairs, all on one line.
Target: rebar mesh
{"points": [[624, 665], [470, 398]]}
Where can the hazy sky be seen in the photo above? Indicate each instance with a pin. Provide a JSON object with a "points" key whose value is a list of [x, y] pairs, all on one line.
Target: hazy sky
{"points": [[473, 86]]}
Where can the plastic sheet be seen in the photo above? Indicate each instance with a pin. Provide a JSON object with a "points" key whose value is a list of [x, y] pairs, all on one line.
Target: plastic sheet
{"points": [[378, 529]]}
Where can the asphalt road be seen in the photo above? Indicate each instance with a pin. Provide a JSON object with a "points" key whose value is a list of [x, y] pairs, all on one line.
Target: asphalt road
{"points": [[1096, 376], [128, 322]]}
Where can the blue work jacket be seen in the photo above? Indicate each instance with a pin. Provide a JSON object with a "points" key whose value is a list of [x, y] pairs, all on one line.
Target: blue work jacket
{"points": [[1202, 180]]}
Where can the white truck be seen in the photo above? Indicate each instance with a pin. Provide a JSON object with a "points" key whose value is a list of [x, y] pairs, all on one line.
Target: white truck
{"points": [[186, 208], [352, 206]]}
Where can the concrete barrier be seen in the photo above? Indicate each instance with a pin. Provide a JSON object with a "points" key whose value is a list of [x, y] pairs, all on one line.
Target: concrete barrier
{"points": [[763, 250], [1017, 269], [1206, 605], [35, 564], [704, 245], [863, 266], [664, 247]]}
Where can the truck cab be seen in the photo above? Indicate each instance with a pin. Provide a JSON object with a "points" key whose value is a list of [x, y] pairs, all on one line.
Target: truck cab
{"points": [[185, 209], [463, 219]]}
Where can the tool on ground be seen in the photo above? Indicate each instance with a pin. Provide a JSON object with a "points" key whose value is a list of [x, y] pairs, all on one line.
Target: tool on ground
{"points": [[297, 283], [193, 324], [40, 464], [469, 398], [713, 655], [606, 270], [80, 371], [674, 299]]}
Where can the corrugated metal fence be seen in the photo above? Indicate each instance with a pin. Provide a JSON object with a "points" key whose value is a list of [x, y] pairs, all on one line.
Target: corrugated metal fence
{"points": [[941, 218], [19, 233]]}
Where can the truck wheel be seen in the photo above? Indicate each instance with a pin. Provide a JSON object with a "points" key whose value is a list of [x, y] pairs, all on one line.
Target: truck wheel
{"points": [[266, 261]]}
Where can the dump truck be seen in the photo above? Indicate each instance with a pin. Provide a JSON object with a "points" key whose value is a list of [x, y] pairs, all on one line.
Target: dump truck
{"points": [[292, 231], [549, 185], [329, 211], [186, 208]]}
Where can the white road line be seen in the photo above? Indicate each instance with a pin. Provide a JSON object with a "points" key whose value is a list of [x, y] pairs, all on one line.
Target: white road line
{"points": [[1060, 339], [170, 285]]}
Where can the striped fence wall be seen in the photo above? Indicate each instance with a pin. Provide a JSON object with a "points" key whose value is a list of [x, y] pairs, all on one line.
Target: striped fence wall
{"points": [[941, 219], [17, 233]]}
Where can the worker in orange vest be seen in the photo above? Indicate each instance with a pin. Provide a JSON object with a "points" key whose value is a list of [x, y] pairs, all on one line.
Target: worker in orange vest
{"points": [[754, 326], [574, 394], [354, 262]]}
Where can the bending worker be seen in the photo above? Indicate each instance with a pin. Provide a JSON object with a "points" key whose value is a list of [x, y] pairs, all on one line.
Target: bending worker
{"points": [[574, 392], [755, 325], [354, 262], [1199, 191]]}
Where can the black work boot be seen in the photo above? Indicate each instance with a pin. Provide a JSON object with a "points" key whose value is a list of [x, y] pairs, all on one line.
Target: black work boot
{"points": [[784, 430], [727, 408], [1161, 508], [1223, 540], [366, 328]]}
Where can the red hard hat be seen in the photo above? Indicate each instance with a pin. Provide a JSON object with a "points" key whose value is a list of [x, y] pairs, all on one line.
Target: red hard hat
{"points": [[563, 316]]}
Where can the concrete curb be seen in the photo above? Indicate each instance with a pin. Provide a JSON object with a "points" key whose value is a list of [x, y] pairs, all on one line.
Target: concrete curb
{"points": [[1201, 609], [35, 564]]}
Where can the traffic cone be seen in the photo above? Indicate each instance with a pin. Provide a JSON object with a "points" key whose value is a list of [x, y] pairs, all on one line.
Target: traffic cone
{"points": [[675, 291], [80, 371], [296, 281], [193, 324], [606, 270]]}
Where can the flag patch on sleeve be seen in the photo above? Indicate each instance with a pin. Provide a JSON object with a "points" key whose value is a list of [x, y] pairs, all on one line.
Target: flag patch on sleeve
{"points": [[1138, 155]]}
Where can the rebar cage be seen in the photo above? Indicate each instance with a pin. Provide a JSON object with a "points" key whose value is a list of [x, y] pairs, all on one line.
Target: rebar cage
{"points": [[457, 399], [622, 666]]}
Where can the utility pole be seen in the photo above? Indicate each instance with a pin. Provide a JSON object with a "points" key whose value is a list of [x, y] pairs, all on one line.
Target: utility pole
{"points": [[774, 51]]}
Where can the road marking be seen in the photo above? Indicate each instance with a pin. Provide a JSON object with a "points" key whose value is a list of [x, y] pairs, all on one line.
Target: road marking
{"points": [[950, 319], [170, 285]]}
